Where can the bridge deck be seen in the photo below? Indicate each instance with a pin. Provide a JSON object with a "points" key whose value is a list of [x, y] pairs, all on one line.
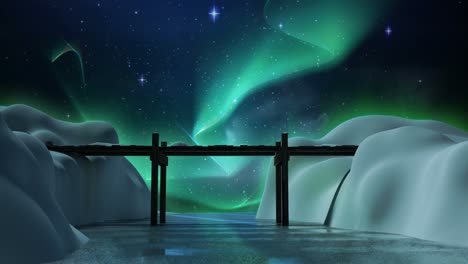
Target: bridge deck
{"points": [[220, 150]]}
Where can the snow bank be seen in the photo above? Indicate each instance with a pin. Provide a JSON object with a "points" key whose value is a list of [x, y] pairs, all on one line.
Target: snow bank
{"points": [[407, 177], [43, 193]]}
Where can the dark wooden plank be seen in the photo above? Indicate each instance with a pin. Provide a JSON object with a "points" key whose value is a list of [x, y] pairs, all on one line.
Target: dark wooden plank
{"points": [[322, 150], [117, 150]]}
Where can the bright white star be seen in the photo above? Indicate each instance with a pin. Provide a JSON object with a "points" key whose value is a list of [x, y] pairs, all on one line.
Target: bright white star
{"points": [[214, 13], [388, 31], [142, 80]]}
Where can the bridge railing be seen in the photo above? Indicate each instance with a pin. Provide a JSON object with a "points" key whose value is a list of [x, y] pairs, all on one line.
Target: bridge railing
{"points": [[159, 154]]}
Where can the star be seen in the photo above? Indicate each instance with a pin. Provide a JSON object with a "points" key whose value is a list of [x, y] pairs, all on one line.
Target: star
{"points": [[214, 13], [388, 31], [281, 25], [142, 80]]}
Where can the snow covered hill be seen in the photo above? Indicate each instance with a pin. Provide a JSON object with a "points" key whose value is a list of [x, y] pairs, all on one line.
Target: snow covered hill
{"points": [[44, 194], [408, 177]]}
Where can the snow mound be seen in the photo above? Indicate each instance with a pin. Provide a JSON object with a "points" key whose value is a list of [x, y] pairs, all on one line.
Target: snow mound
{"points": [[407, 177], [354, 131], [42, 193], [411, 181], [36, 123]]}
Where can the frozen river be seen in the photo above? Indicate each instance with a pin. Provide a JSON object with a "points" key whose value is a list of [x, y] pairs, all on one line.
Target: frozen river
{"points": [[239, 238]]}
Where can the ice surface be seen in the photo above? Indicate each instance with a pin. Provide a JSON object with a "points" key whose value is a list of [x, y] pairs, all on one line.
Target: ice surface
{"points": [[42, 192], [408, 177]]}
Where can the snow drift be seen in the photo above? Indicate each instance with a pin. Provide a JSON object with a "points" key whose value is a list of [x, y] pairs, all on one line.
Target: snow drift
{"points": [[42, 193], [408, 177]]}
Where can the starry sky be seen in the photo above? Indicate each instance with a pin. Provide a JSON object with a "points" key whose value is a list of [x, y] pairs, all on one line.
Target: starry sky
{"points": [[232, 72]]}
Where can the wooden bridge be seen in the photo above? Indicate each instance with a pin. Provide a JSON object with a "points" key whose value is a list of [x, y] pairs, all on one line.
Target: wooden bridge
{"points": [[159, 158]]}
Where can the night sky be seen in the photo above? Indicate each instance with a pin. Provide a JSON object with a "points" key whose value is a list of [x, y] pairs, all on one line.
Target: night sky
{"points": [[233, 72]]}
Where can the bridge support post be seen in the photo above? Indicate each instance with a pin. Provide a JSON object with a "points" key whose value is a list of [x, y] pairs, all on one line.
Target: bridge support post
{"points": [[278, 190], [154, 179], [163, 161], [284, 177]]}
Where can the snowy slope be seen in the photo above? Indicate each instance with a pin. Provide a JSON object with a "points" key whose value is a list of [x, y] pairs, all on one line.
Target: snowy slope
{"points": [[43, 193], [407, 177], [411, 181]]}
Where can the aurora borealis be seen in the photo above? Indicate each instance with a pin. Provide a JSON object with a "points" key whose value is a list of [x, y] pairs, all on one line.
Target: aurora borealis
{"points": [[260, 68], [302, 36]]}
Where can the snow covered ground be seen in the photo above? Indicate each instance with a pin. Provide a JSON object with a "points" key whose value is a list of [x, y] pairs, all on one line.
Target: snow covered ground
{"points": [[408, 177], [44, 194]]}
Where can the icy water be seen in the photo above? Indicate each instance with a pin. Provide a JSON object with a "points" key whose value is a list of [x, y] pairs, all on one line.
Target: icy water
{"points": [[238, 238]]}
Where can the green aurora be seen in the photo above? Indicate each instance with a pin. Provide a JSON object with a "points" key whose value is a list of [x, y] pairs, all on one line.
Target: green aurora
{"points": [[304, 36]]}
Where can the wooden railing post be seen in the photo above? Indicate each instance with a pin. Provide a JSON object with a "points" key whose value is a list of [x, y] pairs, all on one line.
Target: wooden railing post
{"points": [[278, 189], [284, 177], [154, 179], [163, 162]]}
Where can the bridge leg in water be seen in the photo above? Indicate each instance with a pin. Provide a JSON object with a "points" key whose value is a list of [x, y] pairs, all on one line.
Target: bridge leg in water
{"points": [[278, 190], [154, 179], [163, 162], [284, 177]]}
